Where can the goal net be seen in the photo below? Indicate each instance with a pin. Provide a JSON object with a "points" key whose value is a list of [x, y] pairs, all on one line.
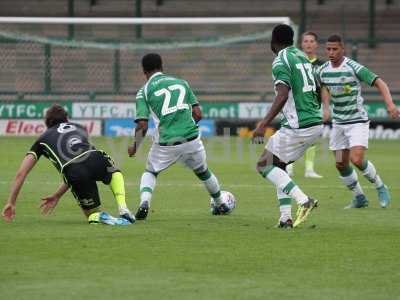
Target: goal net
{"points": [[99, 58]]}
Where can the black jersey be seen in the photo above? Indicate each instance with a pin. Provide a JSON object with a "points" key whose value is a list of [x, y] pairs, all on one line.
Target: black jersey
{"points": [[63, 144]]}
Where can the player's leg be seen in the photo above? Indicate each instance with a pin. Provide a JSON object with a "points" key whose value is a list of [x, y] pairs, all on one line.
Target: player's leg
{"points": [[285, 208], [102, 168], [159, 159], [213, 188], [359, 134], [290, 169], [284, 147], [83, 188], [357, 156], [86, 193], [147, 185], [339, 143], [117, 186], [194, 157], [349, 178], [272, 168], [369, 172], [309, 159]]}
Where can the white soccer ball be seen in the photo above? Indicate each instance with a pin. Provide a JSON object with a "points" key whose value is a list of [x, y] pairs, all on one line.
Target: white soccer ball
{"points": [[228, 199]]}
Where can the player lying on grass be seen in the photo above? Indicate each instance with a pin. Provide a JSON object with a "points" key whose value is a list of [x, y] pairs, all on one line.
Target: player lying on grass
{"points": [[176, 112], [296, 97], [341, 79], [67, 146]]}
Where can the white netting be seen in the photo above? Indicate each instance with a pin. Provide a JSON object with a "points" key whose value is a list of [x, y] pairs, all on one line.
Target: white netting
{"points": [[104, 59]]}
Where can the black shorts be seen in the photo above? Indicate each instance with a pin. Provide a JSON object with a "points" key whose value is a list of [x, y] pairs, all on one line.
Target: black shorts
{"points": [[82, 176]]}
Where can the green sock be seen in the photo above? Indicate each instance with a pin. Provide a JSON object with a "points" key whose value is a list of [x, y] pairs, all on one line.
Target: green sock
{"points": [[346, 171], [309, 158], [118, 188], [211, 183]]}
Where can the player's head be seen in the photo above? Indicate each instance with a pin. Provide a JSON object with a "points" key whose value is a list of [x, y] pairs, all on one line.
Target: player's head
{"points": [[282, 37], [151, 63], [334, 48], [309, 43], [55, 115]]}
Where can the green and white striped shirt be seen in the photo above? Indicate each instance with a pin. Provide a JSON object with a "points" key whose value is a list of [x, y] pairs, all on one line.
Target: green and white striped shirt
{"points": [[344, 85]]}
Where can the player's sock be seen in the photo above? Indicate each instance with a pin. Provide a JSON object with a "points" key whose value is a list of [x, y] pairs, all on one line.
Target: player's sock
{"points": [[290, 169], [147, 184], [350, 179], [212, 185], [282, 181], [285, 205], [309, 159], [370, 173], [117, 186]]}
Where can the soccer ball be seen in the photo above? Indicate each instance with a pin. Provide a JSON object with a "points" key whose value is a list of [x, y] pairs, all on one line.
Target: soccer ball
{"points": [[228, 199]]}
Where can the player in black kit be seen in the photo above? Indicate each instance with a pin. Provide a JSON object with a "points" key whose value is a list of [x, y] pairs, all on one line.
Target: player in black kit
{"points": [[67, 146]]}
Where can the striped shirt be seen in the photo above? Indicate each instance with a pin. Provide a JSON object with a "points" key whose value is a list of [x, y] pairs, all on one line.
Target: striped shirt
{"points": [[344, 85]]}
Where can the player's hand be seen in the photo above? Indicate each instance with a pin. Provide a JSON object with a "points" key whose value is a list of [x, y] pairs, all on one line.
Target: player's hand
{"points": [[326, 115], [132, 150], [393, 111], [258, 135], [48, 204], [8, 212]]}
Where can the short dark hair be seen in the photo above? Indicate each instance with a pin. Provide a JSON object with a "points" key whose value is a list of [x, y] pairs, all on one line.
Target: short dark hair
{"points": [[55, 115], [335, 38], [283, 34], [312, 33], [151, 62]]}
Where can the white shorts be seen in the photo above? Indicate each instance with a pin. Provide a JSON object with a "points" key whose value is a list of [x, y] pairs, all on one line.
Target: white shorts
{"points": [[290, 144], [192, 154], [345, 136]]}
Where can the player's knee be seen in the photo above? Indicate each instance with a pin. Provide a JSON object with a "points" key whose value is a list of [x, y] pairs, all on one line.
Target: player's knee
{"points": [[280, 165], [200, 170], [340, 165], [260, 166], [358, 161], [151, 172], [202, 174]]}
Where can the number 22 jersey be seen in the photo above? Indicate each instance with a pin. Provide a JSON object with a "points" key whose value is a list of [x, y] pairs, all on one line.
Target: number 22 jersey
{"points": [[168, 100]]}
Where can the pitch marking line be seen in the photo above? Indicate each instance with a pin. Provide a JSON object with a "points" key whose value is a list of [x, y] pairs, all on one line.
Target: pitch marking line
{"points": [[173, 184]]}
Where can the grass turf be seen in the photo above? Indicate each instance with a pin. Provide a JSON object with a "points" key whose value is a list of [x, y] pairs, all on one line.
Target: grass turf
{"points": [[183, 252]]}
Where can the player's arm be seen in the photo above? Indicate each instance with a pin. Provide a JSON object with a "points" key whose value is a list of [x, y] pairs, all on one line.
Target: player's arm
{"points": [[193, 102], [50, 202], [325, 99], [26, 166], [387, 97], [282, 78], [367, 76], [140, 134], [196, 113], [142, 120], [280, 100]]}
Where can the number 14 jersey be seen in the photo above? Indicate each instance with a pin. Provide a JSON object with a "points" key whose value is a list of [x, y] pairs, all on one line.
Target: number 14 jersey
{"points": [[292, 68], [168, 100]]}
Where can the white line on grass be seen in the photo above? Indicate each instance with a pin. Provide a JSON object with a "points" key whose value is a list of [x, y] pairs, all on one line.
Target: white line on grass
{"points": [[173, 184]]}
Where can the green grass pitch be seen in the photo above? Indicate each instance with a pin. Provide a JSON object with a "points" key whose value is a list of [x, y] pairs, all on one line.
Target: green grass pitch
{"points": [[182, 252]]}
